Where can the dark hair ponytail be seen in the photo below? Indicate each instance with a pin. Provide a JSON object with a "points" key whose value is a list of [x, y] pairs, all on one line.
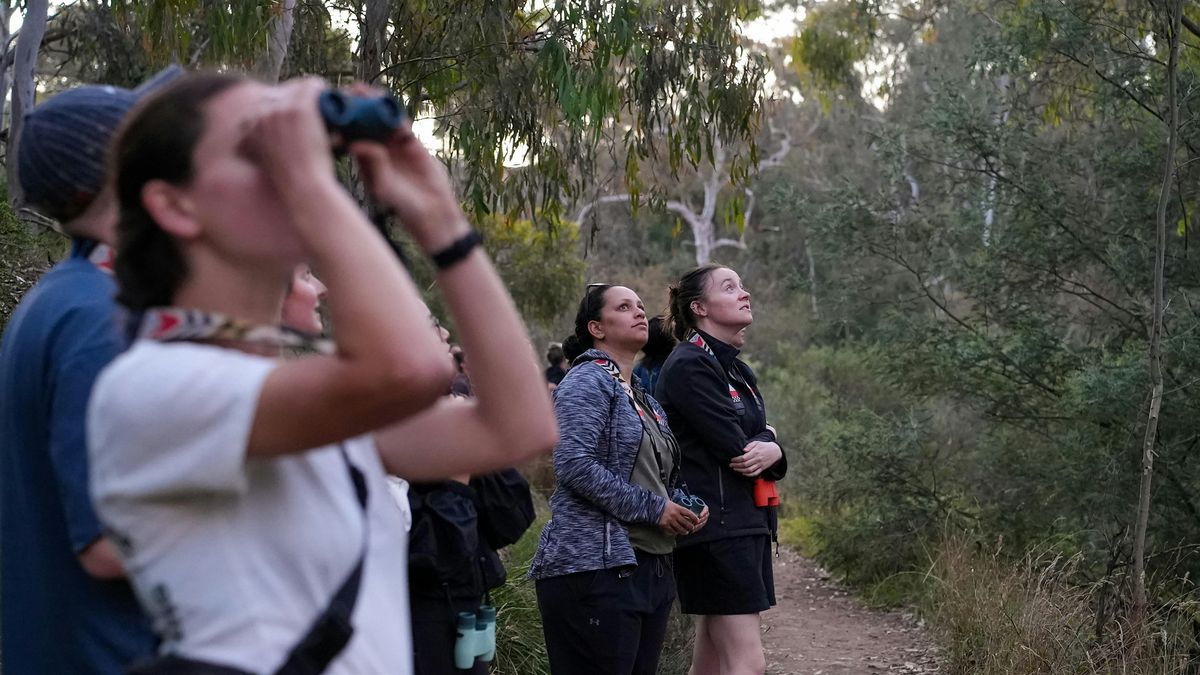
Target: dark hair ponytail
{"points": [[156, 143], [689, 289], [589, 310]]}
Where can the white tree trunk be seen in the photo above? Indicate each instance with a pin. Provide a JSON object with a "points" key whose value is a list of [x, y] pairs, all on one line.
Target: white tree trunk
{"points": [[701, 222], [24, 68], [5, 58], [279, 35], [999, 118]]}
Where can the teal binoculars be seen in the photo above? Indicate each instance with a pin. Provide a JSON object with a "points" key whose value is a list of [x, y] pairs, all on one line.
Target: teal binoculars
{"points": [[476, 637], [692, 503]]}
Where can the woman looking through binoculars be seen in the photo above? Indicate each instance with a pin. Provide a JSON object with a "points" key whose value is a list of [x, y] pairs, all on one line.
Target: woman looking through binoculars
{"points": [[603, 563], [234, 481]]}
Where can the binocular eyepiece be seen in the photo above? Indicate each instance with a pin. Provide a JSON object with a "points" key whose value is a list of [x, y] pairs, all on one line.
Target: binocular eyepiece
{"points": [[356, 118], [692, 503]]}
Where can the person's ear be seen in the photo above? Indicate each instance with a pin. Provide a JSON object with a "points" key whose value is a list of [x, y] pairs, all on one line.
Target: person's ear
{"points": [[171, 209], [698, 309], [596, 330]]}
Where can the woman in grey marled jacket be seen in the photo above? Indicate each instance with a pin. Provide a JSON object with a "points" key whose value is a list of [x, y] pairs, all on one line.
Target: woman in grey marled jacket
{"points": [[603, 564]]}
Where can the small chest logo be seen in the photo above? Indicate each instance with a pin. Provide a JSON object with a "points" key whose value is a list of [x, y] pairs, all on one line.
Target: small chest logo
{"points": [[737, 400]]}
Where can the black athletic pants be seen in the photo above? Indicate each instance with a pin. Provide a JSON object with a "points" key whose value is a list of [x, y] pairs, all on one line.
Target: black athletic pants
{"points": [[608, 622]]}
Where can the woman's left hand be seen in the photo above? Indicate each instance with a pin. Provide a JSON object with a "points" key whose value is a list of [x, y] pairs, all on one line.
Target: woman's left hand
{"points": [[756, 457], [700, 523]]}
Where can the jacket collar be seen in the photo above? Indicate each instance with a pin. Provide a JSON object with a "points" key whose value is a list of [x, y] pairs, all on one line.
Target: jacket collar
{"points": [[724, 352], [592, 354], [99, 254], [606, 362]]}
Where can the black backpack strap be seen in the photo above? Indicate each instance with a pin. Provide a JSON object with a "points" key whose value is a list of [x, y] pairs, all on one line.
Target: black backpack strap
{"points": [[177, 665], [332, 630]]}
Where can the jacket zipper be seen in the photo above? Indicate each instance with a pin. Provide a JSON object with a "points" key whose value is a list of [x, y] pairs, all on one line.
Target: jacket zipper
{"points": [[721, 493]]}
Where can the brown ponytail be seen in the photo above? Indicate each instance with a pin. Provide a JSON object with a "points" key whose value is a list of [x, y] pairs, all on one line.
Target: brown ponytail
{"points": [[689, 289]]}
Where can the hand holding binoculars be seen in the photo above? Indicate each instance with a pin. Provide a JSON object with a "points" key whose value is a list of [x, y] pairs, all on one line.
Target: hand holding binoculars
{"points": [[692, 503]]}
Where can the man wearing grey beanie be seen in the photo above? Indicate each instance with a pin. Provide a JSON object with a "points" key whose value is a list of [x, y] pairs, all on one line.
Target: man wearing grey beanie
{"points": [[66, 607]]}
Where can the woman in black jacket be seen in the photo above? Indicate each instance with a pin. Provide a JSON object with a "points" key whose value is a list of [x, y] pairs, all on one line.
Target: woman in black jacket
{"points": [[730, 458], [458, 527]]}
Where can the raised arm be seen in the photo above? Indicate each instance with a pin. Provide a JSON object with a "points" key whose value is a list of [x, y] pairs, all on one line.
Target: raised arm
{"points": [[389, 363], [510, 419]]}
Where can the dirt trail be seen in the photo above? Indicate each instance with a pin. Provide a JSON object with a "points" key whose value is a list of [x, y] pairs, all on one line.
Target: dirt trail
{"points": [[819, 628]]}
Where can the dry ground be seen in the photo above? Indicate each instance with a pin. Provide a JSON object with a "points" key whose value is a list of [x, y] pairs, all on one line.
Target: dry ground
{"points": [[819, 628]]}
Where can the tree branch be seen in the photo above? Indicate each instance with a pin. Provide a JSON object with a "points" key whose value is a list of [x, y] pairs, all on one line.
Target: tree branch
{"points": [[587, 208]]}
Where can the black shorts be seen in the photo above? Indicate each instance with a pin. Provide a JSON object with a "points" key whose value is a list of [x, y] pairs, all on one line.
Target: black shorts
{"points": [[726, 576]]}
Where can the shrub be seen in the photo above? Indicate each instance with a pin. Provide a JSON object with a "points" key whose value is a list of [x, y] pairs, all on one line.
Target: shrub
{"points": [[997, 616], [520, 647], [24, 256]]}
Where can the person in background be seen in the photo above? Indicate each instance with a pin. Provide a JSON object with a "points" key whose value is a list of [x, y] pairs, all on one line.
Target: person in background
{"points": [[244, 491], [603, 562], [66, 606], [654, 354], [458, 525], [558, 365], [571, 350], [301, 305], [712, 399], [461, 386], [455, 526]]}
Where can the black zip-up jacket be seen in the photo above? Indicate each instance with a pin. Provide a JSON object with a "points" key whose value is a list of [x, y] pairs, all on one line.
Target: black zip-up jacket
{"points": [[712, 427], [457, 530]]}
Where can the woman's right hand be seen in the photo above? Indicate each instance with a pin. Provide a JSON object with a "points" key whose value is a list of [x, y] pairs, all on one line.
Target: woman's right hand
{"points": [[676, 519]]}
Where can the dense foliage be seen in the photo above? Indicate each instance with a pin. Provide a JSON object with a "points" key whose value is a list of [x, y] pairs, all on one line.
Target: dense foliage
{"points": [[952, 268], [985, 239], [953, 283]]}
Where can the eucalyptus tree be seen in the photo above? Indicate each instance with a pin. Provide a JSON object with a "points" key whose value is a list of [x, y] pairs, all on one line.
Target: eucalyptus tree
{"points": [[520, 94], [24, 64], [1017, 191]]}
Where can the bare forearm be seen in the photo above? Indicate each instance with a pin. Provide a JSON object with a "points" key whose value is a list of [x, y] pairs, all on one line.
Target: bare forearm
{"points": [[360, 270], [509, 389]]}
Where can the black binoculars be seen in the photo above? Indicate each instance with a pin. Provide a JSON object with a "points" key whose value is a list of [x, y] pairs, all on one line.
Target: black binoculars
{"points": [[357, 118]]}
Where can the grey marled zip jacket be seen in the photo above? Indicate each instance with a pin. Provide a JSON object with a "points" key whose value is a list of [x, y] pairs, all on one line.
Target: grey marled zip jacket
{"points": [[599, 437]]}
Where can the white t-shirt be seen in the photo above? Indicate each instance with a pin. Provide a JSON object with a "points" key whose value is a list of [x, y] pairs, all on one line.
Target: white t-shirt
{"points": [[233, 557]]}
